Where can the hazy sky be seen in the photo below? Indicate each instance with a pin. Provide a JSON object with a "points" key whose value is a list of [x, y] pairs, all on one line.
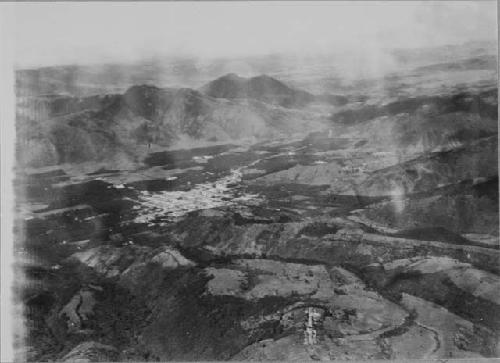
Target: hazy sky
{"points": [[58, 33]]}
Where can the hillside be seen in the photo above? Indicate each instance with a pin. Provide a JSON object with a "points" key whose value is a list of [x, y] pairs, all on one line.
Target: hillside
{"points": [[265, 89], [416, 124], [144, 117]]}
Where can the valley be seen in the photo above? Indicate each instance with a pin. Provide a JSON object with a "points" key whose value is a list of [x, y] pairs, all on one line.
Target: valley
{"points": [[249, 219]]}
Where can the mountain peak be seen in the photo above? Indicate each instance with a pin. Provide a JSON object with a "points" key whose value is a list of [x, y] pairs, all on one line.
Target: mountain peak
{"points": [[263, 88]]}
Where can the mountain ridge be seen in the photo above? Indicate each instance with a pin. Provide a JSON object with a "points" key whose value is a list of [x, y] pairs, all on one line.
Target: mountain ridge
{"points": [[145, 115], [267, 89]]}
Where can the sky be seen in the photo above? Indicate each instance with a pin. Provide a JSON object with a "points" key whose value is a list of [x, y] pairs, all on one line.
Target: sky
{"points": [[80, 33]]}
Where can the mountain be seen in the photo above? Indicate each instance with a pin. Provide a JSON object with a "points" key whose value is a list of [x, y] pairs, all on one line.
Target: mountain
{"points": [[126, 126], [483, 62], [424, 123], [470, 206], [40, 108], [265, 89], [262, 88], [484, 103], [474, 161], [443, 53]]}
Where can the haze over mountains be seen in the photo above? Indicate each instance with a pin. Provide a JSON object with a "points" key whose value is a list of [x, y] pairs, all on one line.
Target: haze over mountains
{"points": [[329, 72], [146, 115]]}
